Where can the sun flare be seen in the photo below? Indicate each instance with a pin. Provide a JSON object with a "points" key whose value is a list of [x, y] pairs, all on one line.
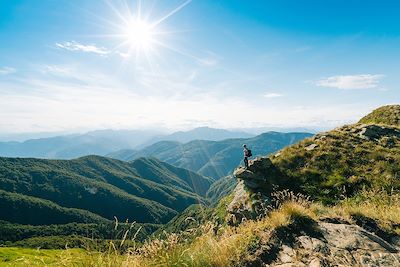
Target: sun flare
{"points": [[139, 34]]}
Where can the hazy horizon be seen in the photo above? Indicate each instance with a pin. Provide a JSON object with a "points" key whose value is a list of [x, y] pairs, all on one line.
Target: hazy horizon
{"points": [[68, 66], [21, 137]]}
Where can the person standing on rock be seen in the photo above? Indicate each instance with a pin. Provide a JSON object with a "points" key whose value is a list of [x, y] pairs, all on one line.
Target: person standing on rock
{"points": [[246, 155]]}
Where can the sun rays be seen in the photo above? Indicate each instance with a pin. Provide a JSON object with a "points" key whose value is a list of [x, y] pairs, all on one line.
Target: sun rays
{"points": [[137, 33]]}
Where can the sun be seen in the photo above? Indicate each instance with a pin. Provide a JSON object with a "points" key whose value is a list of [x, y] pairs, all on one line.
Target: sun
{"points": [[139, 34]]}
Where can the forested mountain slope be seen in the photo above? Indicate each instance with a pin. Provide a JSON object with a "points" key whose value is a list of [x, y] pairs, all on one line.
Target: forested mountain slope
{"points": [[93, 187]]}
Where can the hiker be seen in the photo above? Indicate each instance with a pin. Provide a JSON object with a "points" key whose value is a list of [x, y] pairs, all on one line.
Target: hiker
{"points": [[246, 155]]}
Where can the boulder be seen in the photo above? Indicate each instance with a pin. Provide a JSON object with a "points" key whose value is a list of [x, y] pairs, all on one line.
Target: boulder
{"points": [[376, 132], [338, 245], [251, 194]]}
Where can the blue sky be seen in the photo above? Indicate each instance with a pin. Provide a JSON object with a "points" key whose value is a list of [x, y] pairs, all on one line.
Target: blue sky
{"points": [[75, 66]]}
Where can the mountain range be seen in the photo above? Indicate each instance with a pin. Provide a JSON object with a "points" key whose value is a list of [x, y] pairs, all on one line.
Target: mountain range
{"points": [[47, 197], [214, 159], [102, 142]]}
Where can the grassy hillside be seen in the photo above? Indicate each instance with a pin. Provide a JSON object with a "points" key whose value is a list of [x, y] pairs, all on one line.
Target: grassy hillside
{"points": [[297, 232], [386, 115], [341, 162], [214, 159], [52, 236]]}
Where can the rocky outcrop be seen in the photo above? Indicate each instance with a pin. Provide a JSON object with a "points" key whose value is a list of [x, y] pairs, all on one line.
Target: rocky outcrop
{"points": [[261, 176], [339, 245], [376, 132], [251, 194]]}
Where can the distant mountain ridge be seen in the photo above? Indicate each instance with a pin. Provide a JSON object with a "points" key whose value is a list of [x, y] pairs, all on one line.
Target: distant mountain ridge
{"points": [[76, 145], [102, 142], [200, 133], [214, 159]]}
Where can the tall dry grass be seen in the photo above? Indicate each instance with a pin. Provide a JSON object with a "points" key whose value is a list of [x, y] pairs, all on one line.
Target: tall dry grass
{"points": [[229, 246]]}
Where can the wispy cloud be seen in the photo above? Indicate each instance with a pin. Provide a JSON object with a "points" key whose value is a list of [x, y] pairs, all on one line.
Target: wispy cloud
{"points": [[7, 70], [349, 82], [272, 95], [210, 59], [75, 46]]}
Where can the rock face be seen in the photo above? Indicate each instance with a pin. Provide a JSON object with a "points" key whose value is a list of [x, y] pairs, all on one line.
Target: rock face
{"points": [[376, 132], [338, 245], [251, 195], [260, 176]]}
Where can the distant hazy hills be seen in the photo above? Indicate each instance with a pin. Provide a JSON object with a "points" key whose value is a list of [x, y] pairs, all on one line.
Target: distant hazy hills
{"points": [[73, 146], [214, 159], [201, 133], [94, 189], [105, 141]]}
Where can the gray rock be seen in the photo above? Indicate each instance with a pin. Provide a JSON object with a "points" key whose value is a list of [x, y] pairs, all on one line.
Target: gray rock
{"points": [[311, 147], [376, 132], [339, 245]]}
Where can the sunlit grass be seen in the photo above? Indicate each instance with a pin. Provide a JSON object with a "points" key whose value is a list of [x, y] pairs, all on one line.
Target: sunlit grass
{"points": [[229, 246], [380, 205], [11, 256]]}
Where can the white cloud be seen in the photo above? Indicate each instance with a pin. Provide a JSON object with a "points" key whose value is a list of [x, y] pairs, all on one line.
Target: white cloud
{"points": [[69, 97], [75, 46], [7, 70], [58, 106], [348, 82], [272, 95]]}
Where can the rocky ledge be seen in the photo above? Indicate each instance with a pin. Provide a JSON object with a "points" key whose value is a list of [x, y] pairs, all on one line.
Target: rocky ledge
{"points": [[331, 244], [251, 194]]}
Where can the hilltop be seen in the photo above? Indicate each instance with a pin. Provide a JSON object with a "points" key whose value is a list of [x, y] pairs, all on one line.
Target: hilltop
{"points": [[353, 167], [386, 115], [333, 165]]}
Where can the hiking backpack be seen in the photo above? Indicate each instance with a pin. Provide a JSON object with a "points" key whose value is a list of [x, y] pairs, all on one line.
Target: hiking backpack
{"points": [[249, 153]]}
